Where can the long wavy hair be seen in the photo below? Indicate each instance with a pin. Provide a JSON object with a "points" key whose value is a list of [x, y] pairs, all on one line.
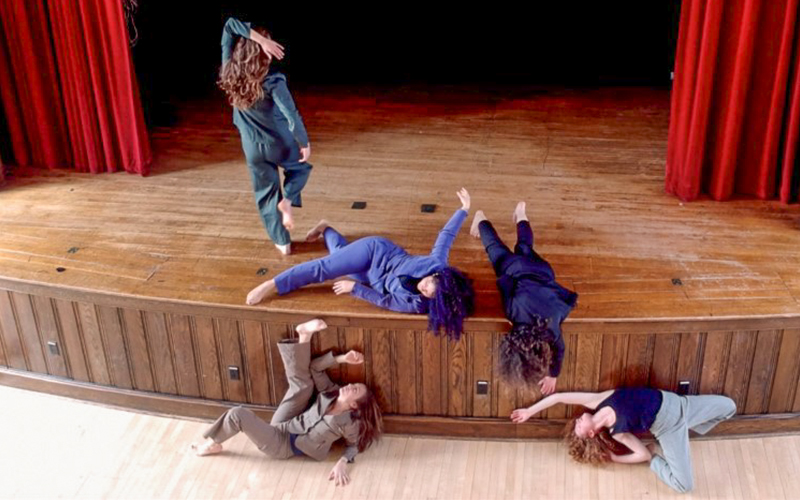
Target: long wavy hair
{"points": [[241, 77], [525, 355], [590, 450], [370, 420], [453, 302]]}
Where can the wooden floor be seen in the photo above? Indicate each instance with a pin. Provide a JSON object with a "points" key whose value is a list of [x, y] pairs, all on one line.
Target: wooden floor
{"points": [[590, 163], [96, 452]]}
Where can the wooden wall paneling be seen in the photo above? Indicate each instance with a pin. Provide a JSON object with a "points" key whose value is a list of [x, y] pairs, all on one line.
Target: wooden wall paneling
{"points": [[787, 371], [433, 380], [483, 363], [457, 375], [613, 360], [74, 350], [737, 377], [180, 332], [114, 342], [277, 332], [639, 359], [3, 360], [258, 373], [566, 379], [15, 356], [665, 361], [231, 355], [690, 355], [138, 354], [93, 343], [160, 352], [29, 332], [716, 355], [380, 369], [505, 400], [208, 358], [406, 365], [354, 340], [762, 373], [49, 332]]}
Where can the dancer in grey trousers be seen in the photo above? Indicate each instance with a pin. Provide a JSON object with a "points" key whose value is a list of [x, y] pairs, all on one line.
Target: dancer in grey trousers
{"points": [[350, 412], [594, 437]]}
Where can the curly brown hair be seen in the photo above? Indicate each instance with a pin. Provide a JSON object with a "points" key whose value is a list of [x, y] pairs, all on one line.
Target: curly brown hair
{"points": [[370, 420], [590, 450], [524, 357], [242, 75]]}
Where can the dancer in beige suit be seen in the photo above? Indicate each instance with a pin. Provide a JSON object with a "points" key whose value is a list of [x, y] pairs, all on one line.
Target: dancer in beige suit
{"points": [[350, 412]]}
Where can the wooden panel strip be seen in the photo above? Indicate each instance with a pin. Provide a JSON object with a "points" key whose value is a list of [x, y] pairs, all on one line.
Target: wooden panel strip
{"points": [[612, 367], [116, 352], [160, 352], [787, 371], [457, 378], [93, 342], [29, 332], [209, 364], [665, 361], [380, 369], [482, 356], [230, 351], [432, 370], [256, 361], [15, 355], [74, 350], [139, 356], [406, 365], [48, 328], [737, 377], [639, 359], [180, 330], [761, 375], [690, 355]]}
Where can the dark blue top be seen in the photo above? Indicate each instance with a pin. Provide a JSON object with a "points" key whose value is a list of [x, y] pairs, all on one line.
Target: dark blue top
{"points": [[636, 409], [274, 120]]}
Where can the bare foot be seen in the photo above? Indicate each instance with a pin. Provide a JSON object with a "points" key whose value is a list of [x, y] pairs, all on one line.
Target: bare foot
{"points": [[351, 358], [207, 447], [519, 213], [284, 249], [317, 231], [309, 328], [285, 207], [479, 217], [261, 292]]}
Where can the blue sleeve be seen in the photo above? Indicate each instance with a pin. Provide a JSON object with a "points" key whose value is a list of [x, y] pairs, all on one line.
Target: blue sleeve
{"points": [[557, 348], [233, 28], [283, 99], [441, 249], [386, 301]]}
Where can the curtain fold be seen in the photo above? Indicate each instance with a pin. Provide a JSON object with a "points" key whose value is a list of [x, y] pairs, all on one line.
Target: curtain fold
{"points": [[69, 91], [735, 109]]}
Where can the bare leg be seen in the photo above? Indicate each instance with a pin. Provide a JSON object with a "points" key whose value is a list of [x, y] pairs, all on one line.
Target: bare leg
{"points": [[261, 292], [317, 231], [473, 230], [285, 208]]}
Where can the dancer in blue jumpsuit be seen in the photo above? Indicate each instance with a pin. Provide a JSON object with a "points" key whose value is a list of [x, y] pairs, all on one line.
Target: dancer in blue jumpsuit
{"points": [[386, 275], [270, 126], [535, 304]]}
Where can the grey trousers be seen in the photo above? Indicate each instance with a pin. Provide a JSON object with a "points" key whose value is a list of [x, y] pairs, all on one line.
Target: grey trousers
{"points": [[272, 439], [679, 414]]}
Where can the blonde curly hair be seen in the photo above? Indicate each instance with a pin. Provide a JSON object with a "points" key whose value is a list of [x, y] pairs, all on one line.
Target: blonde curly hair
{"points": [[242, 75]]}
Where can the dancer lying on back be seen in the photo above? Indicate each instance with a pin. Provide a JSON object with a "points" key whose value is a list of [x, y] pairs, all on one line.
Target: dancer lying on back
{"points": [[620, 413], [386, 275], [532, 353], [350, 412]]}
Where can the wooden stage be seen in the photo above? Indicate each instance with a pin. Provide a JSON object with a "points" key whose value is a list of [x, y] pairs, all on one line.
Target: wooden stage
{"points": [[141, 281]]}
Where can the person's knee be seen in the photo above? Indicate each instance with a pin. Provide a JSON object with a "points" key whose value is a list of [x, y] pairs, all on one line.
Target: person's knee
{"points": [[729, 407], [236, 413], [684, 485]]}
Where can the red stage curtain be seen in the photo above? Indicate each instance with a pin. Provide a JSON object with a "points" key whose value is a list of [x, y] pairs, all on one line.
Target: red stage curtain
{"points": [[68, 87], [735, 110]]}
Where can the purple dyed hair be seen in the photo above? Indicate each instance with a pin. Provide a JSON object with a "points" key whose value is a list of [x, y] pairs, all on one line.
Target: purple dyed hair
{"points": [[454, 301]]}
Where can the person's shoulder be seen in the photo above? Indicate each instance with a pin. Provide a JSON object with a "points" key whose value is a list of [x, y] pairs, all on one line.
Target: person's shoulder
{"points": [[273, 79]]}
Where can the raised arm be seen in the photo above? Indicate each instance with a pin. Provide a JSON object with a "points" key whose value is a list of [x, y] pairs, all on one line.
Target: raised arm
{"points": [[283, 99], [387, 301], [441, 248], [233, 28], [318, 367], [588, 399]]}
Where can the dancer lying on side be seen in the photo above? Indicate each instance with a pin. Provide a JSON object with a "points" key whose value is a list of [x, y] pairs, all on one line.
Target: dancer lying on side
{"points": [[620, 413], [386, 275], [533, 351], [350, 412], [269, 124]]}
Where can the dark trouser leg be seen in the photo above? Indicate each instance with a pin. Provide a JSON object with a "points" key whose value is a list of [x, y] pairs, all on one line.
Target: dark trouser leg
{"points": [[296, 362], [524, 246], [354, 258], [267, 191], [267, 438], [296, 176], [497, 251]]}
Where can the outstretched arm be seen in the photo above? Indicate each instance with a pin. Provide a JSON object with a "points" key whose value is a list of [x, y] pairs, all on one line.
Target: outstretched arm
{"points": [[588, 399], [386, 301], [441, 248]]}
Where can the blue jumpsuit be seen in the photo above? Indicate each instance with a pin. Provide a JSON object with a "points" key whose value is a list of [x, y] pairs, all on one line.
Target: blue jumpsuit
{"points": [[377, 265], [528, 286], [272, 134]]}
